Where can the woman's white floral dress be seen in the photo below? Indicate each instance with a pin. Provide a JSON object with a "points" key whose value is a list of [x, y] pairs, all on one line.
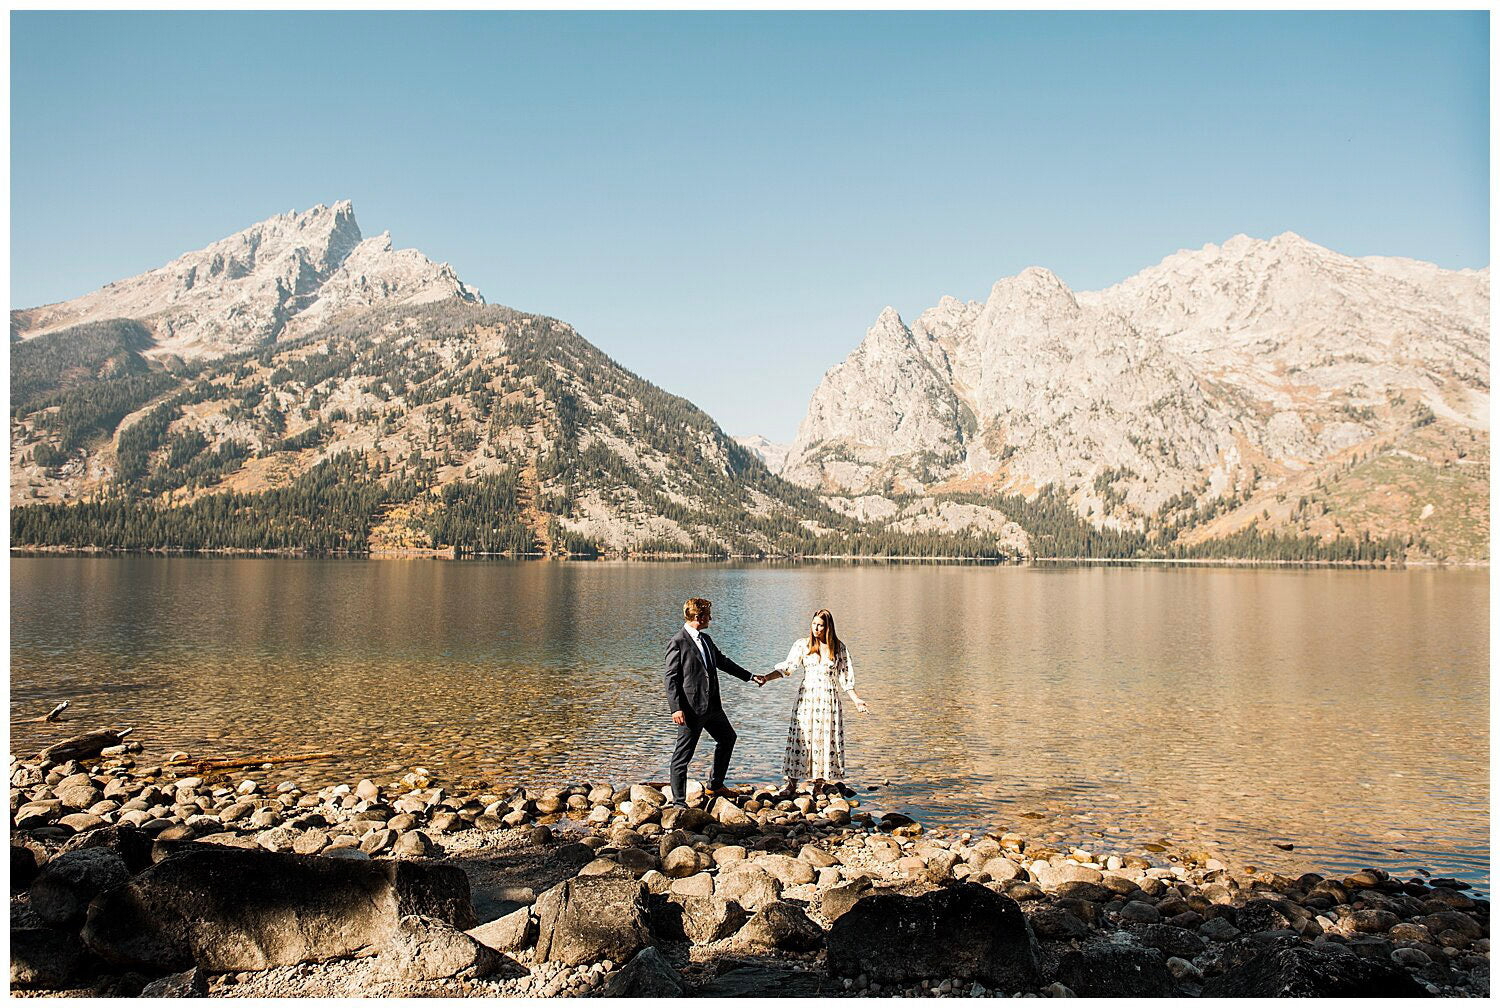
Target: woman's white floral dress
{"points": [[815, 740]]}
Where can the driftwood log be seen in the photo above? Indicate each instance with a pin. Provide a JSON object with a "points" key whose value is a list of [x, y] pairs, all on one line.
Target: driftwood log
{"points": [[85, 746], [56, 713]]}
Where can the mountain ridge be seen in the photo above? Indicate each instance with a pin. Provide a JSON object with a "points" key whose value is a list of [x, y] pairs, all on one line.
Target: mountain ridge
{"points": [[1221, 372], [299, 386], [366, 415]]}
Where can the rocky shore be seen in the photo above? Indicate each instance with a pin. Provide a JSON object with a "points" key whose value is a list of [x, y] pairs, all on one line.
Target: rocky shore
{"points": [[133, 879]]}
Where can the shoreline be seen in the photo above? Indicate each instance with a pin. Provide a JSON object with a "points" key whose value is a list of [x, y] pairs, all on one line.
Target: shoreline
{"points": [[744, 558], [731, 897]]}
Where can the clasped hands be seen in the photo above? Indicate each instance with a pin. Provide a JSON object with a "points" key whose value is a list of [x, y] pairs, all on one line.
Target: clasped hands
{"points": [[761, 680]]}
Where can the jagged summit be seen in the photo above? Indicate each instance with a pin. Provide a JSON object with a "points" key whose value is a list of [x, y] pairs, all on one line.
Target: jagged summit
{"points": [[1218, 371], [257, 285]]}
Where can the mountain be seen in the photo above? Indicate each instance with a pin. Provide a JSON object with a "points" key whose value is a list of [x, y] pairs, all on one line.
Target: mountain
{"points": [[278, 278], [298, 387], [769, 452], [1250, 389]]}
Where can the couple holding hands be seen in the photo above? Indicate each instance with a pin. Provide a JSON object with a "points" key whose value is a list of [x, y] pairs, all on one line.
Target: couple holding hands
{"points": [[815, 738]]}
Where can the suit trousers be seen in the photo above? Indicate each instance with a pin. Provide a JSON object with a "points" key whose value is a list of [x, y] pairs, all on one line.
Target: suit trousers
{"points": [[717, 725]]}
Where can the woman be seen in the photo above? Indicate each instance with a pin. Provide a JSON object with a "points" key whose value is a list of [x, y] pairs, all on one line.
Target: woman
{"points": [[815, 740]]}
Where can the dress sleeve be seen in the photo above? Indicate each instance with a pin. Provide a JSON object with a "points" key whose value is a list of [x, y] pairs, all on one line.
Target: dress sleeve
{"points": [[844, 673], [794, 656]]}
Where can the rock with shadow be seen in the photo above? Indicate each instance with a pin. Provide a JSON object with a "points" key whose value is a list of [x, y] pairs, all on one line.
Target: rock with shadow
{"points": [[697, 919], [512, 933], [751, 978], [963, 931], [67, 884], [782, 926], [50, 959], [423, 948], [592, 917], [1287, 967], [1098, 968], [226, 908], [647, 974]]}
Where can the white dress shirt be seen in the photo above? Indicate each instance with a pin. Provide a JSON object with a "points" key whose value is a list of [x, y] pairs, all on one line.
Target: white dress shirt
{"points": [[702, 648]]}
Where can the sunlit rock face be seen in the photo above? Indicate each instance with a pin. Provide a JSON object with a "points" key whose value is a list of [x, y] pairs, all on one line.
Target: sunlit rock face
{"points": [[1225, 370]]}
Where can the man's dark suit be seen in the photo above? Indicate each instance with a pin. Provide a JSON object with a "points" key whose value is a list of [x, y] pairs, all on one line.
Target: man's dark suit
{"points": [[694, 690]]}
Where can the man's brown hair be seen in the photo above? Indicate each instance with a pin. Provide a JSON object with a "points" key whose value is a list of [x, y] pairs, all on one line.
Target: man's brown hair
{"points": [[694, 608]]}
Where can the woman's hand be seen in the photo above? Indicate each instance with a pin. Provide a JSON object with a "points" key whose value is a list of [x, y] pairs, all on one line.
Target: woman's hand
{"points": [[861, 706]]}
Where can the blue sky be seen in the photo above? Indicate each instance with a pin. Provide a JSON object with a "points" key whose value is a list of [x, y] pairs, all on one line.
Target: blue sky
{"points": [[724, 203]]}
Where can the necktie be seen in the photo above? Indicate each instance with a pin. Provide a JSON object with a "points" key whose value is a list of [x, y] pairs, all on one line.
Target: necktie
{"points": [[708, 659]]}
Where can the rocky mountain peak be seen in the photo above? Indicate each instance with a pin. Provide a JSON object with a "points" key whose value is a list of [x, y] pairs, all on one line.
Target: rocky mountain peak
{"points": [[1033, 293], [254, 286], [1213, 374]]}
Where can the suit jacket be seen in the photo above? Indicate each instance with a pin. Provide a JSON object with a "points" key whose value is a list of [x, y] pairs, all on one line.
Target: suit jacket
{"points": [[691, 688]]}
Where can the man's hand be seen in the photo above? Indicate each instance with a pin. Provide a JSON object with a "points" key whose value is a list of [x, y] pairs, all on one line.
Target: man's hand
{"points": [[759, 680], [678, 718]]}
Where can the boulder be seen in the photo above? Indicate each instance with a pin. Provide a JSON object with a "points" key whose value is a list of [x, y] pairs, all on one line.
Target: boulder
{"points": [[647, 974], [701, 884], [1050, 876], [749, 886], [728, 854], [1106, 969], [964, 931], [1263, 915], [1172, 941], [1001, 869], [191, 983], [746, 979], [589, 918], [414, 844], [789, 871], [728, 813], [670, 840], [691, 820], [226, 908], [424, 948], [1288, 967], [64, 887], [636, 860], [680, 862], [817, 857], [1056, 923], [511, 933], [782, 926], [834, 903], [49, 959], [23, 867], [706, 919]]}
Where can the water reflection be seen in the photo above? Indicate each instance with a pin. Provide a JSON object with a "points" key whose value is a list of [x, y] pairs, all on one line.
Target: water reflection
{"points": [[1343, 711]]}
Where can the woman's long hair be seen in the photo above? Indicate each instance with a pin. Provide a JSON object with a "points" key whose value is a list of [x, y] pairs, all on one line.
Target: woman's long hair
{"points": [[830, 636]]}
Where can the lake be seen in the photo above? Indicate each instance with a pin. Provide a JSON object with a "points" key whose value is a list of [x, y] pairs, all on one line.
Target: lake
{"points": [[1342, 711]]}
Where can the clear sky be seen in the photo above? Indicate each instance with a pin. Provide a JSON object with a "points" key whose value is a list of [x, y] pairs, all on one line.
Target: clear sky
{"points": [[724, 203]]}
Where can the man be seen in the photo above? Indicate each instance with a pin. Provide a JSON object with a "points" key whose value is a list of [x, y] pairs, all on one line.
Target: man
{"points": [[693, 665]]}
